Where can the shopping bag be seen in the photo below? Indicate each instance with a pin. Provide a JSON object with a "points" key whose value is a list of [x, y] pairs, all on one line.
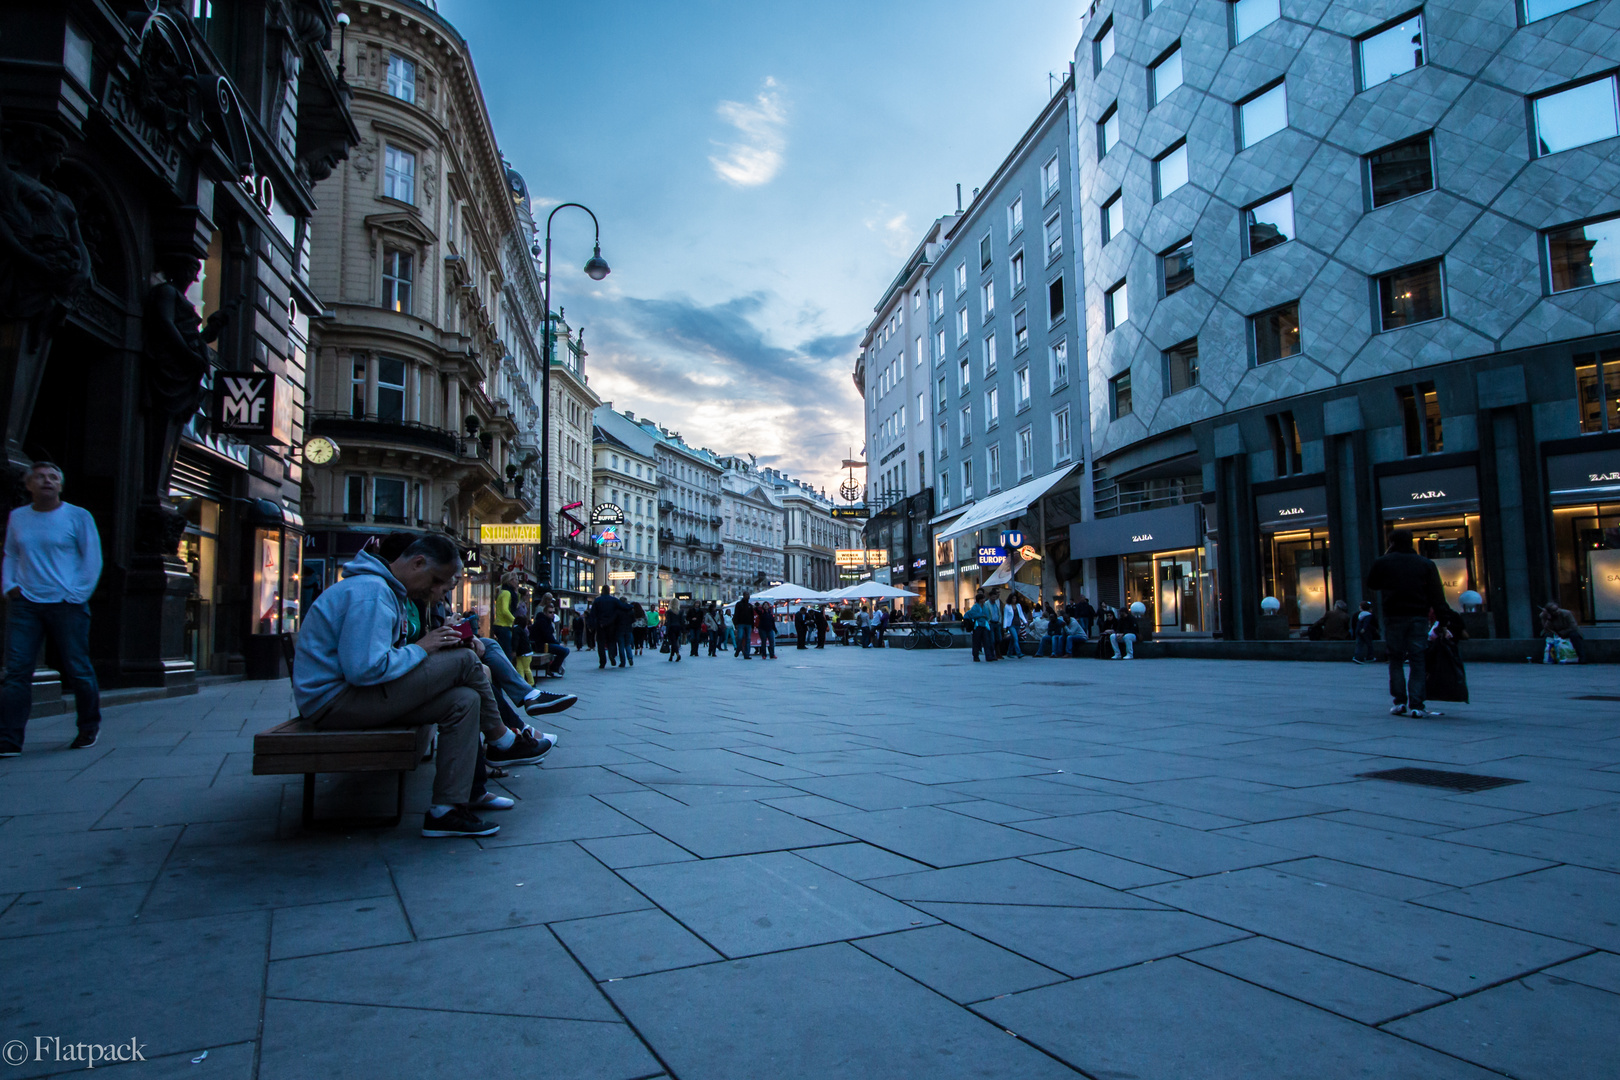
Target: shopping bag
{"points": [[1447, 681], [1561, 650]]}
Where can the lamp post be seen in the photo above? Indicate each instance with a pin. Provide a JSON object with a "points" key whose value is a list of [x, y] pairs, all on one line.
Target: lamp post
{"points": [[596, 268]]}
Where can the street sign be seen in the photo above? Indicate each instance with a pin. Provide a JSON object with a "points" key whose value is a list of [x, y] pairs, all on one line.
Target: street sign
{"points": [[859, 512], [1012, 539], [509, 534]]}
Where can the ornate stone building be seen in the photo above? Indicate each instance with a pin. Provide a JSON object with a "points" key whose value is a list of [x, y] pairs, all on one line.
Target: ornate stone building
{"points": [[625, 474], [160, 167], [426, 360], [689, 519], [752, 528]]}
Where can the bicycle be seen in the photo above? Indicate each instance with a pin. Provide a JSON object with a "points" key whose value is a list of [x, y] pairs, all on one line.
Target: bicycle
{"points": [[928, 637]]}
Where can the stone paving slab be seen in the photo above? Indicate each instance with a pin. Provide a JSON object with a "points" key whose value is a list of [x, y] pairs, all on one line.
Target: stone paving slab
{"points": [[730, 870]]}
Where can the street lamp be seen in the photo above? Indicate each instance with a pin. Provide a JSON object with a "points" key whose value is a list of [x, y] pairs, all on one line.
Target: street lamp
{"points": [[596, 268]]}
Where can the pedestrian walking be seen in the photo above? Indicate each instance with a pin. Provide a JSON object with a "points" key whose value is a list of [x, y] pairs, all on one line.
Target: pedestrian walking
{"points": [[714, 627], [694, 625], [1013, 621], [602, 621], [52, 564], [674, 624], [1411, 594], [505, 617], [638, 626], [801, 626], [863, 620], [983, 629], [742, 621], [1366, 632], [578, 627], [765, 623], [821, 628]]}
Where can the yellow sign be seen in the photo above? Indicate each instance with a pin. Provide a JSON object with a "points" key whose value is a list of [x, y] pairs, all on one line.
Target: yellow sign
{"points": [[861, 557], [509, 534], [621, 575]]}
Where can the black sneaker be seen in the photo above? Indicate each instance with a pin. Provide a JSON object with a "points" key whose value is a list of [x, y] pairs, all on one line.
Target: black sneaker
{"points": [[525, 750], [10, 751], [547, 703], [84, 741], [458, 822]]}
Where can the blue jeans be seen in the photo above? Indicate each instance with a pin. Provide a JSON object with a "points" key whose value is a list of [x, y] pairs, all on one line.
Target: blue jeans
{"points": [[1407, 639], [1075, 642], [27, 624], [1053, 645], [745, 642], [627, 646], [507, 683], [1014, 646], [503, 636], [767, 641]]}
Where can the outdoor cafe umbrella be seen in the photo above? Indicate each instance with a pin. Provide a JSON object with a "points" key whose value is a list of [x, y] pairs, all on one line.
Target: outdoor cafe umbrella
{"points": [[872, 590], [787, 591]]}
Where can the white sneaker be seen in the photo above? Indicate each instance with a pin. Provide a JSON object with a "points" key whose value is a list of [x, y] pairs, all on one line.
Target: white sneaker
{"points": [[492, 801], [1397, 710]]}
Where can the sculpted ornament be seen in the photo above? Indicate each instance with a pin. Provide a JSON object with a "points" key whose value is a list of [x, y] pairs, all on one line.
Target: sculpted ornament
{"points": [[174, 365]]}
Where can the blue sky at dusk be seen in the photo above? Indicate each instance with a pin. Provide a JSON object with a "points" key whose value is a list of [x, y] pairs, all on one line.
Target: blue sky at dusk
{"points": [[760, 171]]}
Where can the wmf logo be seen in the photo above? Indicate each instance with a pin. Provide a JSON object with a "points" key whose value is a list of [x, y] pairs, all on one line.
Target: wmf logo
{"points": [[244, 404]]}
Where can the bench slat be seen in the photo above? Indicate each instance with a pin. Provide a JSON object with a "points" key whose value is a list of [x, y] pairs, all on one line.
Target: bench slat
{"points": [[283, 764], [298, 736]]}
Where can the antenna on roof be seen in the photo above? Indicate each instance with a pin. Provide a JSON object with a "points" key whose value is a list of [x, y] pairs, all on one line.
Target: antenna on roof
{"points": [[958, 198]]}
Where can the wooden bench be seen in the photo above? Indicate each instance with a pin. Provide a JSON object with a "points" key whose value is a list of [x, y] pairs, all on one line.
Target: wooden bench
{"points": [[297, 746]]}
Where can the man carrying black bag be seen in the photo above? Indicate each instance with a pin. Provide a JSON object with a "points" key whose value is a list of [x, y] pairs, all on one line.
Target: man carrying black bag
{"points": [[1412, 598], [1447, 680]]}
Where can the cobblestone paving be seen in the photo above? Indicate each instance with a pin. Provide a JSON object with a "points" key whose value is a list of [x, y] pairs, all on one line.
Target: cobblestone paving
{"points": [[849, 863]]}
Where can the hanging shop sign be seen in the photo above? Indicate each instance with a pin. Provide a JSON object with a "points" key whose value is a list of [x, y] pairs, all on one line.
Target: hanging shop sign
{"points": [[683, 596], [621, 575], [859, 512], [608, 536], [1301, 508], [255, 406], [992, 556], [861, 557], [509, 534], [1028, 553], [607, 514]]}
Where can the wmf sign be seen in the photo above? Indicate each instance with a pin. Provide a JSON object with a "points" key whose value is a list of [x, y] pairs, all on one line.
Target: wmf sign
{"points": [[253, 406]]}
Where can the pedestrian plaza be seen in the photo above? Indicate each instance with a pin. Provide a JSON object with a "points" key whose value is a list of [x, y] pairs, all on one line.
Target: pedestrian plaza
{"points": [[848, 863]]}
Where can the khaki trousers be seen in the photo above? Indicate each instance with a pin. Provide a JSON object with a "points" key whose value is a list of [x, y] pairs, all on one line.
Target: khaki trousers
{"points": [[450, 688]]}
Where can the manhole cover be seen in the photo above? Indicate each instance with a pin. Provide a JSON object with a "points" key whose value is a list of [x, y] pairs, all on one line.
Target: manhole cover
{"points": [[1597, 697], [1455, 781]]}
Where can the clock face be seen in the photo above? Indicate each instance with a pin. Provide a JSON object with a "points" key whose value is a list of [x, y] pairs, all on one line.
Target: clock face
{"points": [[320, 451]]}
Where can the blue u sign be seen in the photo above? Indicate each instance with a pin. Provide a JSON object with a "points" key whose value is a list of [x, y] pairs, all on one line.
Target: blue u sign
{"points": [[1012, 539]]}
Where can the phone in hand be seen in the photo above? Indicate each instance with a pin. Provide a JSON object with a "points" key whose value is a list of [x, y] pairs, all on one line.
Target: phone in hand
{"points": [[465, 629]]}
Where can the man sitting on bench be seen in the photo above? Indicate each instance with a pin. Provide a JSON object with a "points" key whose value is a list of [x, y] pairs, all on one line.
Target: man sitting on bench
{"points": [[353, 671]]}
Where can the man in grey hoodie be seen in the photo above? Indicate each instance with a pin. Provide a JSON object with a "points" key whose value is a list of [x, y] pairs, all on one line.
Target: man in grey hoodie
{"points": [[353, 670]]}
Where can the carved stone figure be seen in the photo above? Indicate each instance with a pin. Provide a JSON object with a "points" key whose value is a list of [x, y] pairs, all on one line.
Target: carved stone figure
{"points": [[174, 365], [44, 268]]}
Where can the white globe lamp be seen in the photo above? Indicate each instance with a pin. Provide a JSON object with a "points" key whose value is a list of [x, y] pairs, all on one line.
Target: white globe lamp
{"points": [[1270, 606]]}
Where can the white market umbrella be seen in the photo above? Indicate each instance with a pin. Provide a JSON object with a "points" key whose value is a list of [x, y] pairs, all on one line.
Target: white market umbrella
{"points": [[789, 591], [871, 590]]}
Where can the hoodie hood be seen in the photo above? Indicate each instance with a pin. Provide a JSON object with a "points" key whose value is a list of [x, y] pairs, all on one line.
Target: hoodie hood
{"points": [[367, 563]]}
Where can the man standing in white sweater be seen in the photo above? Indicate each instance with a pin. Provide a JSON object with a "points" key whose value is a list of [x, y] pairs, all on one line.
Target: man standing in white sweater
{"points": [[52, 564]]}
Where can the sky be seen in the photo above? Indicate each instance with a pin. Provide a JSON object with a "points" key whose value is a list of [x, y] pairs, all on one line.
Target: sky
{"points": [[761, 172]]}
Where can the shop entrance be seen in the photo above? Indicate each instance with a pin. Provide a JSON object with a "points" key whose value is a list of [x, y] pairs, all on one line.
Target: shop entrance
{"points": [[1453, 544], [1171, 584], [1296, 573], [1587, 541]]}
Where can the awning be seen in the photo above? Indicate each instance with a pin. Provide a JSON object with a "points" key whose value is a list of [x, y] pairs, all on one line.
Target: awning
{"points": [[1003, 507]]}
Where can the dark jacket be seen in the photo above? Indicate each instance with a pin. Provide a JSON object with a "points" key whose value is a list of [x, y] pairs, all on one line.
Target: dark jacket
{"points": [[694, 618], [609, 615], [543, 630], [1335, 625], [742, 614], [1126, 624], [1409, 585]]}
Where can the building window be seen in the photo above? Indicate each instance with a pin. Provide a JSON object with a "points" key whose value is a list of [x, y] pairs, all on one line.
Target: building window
{"points": [[1113, 217], [357, 390], [1054, 302], [966, 372], [961, 325], [1165, 75], [1017, 270], [1269, 223], [354, 497], [388, 501], [938, 309], [1582, 255], [1049, 178], [1021, 388], [1058, 357], [987, 300], [390, 390], [992, 408], [1062, 448], [1108, 131], [397, 280], [1116, 307], [939, 345], [1119, 395], [967, 479], [961, 278], [1400, 171], [984, 252], [967, 425], [1597, 391], [1576, 116], [943, 441], [402, 78], [1170, 171], [989, 348], [1285, 445], [1020, 331], [1541, 9], [992, 468], [1054, 238], [917, 347], [1015, 217], [1413, 295], [1249, 17], [1181, 367], [1025, 453], [1276, 333], [399, 174], [940, 387], [1392, 51], [1262, 115], [1176, 266], [1420, 418], [1103, 45]]}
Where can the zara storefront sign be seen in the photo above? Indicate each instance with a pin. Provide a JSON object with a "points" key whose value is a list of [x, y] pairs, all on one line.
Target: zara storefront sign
{"points": [[253, 406]]}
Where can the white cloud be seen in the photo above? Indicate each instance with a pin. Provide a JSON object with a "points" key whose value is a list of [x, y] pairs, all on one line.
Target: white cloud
{"points": [[894, 230], [757, 157]]}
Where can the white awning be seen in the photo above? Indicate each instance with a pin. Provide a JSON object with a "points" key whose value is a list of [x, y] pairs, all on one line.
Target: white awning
{"points": [[1002, 507]]}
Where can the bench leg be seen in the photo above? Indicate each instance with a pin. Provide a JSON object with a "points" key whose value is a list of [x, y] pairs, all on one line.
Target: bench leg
{"points": [[353, 822]]}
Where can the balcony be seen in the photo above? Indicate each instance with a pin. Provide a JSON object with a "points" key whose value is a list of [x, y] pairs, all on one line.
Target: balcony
{"points": [[666, 536], [341, 428], [714, 549], [716, 520], [692, 541], [665, 506]]}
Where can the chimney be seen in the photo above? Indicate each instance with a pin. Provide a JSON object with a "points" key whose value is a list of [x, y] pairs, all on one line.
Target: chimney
{"points": [[958, 198], [628, 415]]}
